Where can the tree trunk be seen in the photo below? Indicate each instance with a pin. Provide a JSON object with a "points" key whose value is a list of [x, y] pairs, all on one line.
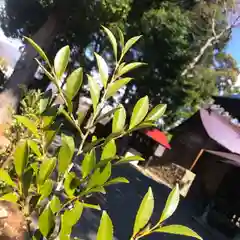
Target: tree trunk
{"points": [[26, 67]]}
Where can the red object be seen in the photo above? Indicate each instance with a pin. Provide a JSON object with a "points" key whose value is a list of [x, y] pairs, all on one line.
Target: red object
{"points": [[159, 137]]}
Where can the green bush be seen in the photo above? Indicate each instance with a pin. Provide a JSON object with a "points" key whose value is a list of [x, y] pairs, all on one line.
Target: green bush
{"points": [[43, 183]]}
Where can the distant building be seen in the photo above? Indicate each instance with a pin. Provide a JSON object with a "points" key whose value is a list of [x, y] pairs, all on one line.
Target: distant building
{"points": [[208, 144]]}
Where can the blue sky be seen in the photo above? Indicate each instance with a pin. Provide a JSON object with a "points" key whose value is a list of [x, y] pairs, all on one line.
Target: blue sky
{"points": [[234, 45]]}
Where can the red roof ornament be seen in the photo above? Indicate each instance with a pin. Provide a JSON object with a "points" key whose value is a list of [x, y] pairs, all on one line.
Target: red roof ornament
{"points": [[159, 137]]}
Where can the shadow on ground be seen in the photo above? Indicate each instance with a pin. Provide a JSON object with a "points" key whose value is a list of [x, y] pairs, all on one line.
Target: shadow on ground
{"points": [[122, 201]]}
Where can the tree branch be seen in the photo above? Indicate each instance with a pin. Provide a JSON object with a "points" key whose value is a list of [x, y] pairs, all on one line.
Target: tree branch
{"points": [[208, 43]]}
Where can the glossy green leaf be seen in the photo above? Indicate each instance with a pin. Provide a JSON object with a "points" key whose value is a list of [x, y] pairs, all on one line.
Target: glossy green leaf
{"points": [[38, 49], [46, 170], [98, 189], [4, 177], [73, 83], [121, 37], [156, 113], [116, 181], [94, 92], [171, 204], [92, 206], [88, 163], [71, 217], [144, 212], [103, 69], [115, 86], [100, 178], [49, 116], [29, 124], [109, 150], [142, 125], [21, 157], [105, 230], [46, 189], [130, 159], [129, 67], [92, 145], [139, 112], [105, 174], [129, 44], [119, 119], [81, 117], [43, 103], [178, 230], [71, 183], [27, 181], [66, 153], [61, 61], [106, 115], [55, 204], [112, 40], [50, 134], [46, 221], [10, 197], [34, 147]]}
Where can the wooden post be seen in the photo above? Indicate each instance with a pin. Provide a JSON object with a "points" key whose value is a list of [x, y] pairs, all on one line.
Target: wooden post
{"points": [[196, 159]]}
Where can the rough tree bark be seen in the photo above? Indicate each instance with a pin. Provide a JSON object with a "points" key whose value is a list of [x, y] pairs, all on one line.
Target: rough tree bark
{"points": [[25, 68]]}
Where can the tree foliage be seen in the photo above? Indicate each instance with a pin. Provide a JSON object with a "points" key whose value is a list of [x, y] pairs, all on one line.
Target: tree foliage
{"points": [[174, 35]]}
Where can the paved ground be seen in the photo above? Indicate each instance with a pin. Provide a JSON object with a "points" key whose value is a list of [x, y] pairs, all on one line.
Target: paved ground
{"points": [[122, 202]]}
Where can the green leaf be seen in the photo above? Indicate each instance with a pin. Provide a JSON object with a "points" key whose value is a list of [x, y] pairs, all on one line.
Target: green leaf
{"points": [[116, 181], [144, 212], [130, 159], [61, 61], [106, 115], [10, 197], [119, 119], [142, 125], [115, 86], [129, 67], [71, 217], [43, 103], [38, 49], [171, 204], [112, 40], [178, 230], [129, 44], [46, 221], [100, 178], [73, 83], [121, 37], [46, 189], [21, 157], [94, 91], [139, 112], [4, 177], [109, 150], [29, 124], [105, 230], [55, 204], [27, 181], [103, 69], [49, 116], [66, 153], [34, 147], [92, 206], [50, 134], [156, 113], [46, 170], [88, 164], [105, 174], [71, 183], [92, 145]]}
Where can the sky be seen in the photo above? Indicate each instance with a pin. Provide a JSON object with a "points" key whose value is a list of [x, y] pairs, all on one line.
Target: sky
{"points": [[234, 45]]}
